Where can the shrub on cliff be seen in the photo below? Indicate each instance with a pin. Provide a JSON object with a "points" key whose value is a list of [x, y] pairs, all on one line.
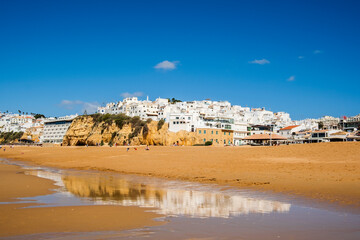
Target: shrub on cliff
{"points": [[8, 137], [160, 124], [113, 135], [137, 122], [145, 131], [135, 132], [119, 119], [96, 117]]}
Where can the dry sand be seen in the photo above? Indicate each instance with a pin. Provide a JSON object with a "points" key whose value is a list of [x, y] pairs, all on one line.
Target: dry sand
{"points": [[324, 171], [17, 220]]}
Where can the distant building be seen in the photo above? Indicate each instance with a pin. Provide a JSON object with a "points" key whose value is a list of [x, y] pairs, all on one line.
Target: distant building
{"points": [[191, 115], [265, 139], [319, 136], [330, 123], [16, 123], [56, 128], [289, 131], [350, 123], [339, 136], [241, 130], [216, 136]]}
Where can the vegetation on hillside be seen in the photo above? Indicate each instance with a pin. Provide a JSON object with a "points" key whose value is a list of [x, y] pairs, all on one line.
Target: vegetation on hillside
{"points": [[160, 124], [38, 115], [173, 100], [9, 137], [120, 120]]}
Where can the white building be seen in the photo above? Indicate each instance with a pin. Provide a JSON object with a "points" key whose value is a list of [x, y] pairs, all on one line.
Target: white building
{"points": [[289, 131], [241, 130], [192, 115], [16, 123], [56, 128]]}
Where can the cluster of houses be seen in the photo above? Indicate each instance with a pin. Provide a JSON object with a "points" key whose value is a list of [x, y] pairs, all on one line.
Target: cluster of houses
{"points": [[18, 123], [217, 122], [224, 124], [36, 129]]}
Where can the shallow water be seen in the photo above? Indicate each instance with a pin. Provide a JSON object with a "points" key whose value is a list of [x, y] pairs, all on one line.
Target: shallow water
{"points": [[193, 210]]}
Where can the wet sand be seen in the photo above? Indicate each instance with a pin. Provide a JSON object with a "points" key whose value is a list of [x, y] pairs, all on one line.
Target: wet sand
{"points": [[15, 184], [325, 171], [17, 220]]}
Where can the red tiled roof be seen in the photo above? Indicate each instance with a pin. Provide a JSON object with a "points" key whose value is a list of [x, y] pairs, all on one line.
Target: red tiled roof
{"points": [[339, 133], [289, 127], [320, 131]]}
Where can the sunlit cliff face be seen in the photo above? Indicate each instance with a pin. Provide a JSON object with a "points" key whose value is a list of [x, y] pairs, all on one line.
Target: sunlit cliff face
{"points": [[168, 201]]}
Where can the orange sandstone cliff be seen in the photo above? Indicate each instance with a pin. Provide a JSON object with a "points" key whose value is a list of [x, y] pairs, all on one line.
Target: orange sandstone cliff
{"points": [[86, 130]]}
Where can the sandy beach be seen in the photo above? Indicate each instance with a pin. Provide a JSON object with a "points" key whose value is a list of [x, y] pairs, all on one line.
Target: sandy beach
{"points": [[17, 220], [324, 171]]}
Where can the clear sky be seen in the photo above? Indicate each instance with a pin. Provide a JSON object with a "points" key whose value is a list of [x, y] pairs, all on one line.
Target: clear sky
{"points": [[302, 57]]}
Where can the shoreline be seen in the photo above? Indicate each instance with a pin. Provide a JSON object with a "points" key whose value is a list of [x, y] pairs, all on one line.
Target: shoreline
{"points": [[325, 171], [19, 218]]}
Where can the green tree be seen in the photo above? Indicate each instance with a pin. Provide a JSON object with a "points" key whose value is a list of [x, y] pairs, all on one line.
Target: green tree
{"points": [[173, 100], [36, 116], [208, 143]]}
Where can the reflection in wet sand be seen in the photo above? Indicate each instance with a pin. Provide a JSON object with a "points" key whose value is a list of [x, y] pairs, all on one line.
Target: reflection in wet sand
{"points": [[169, 200]]}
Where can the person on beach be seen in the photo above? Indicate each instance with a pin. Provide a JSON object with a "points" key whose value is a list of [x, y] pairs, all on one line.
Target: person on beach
{"points": [[127, 149], [147, 148]]}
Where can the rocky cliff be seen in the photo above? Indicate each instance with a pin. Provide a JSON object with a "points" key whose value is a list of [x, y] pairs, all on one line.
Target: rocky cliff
{"points": [[98, 130]]}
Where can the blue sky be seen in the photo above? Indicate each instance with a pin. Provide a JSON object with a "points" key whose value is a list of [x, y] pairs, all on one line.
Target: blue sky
{"points": [[302, 57]]}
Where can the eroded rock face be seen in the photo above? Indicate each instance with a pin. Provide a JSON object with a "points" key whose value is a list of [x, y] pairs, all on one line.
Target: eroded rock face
{"points": [[84, 130]]}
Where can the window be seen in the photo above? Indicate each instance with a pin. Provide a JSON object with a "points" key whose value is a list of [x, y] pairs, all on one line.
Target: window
{"points": [[224, 133], [199, 131], [212, 132], [229, 133], [204, 131], [216, 132]]}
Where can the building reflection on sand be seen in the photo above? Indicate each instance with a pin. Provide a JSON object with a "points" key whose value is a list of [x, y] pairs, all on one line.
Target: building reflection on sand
{"points": [[168, 201]]}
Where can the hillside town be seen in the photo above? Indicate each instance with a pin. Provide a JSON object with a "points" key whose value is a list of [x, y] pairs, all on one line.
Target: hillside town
{"points": [[217, 122]]}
